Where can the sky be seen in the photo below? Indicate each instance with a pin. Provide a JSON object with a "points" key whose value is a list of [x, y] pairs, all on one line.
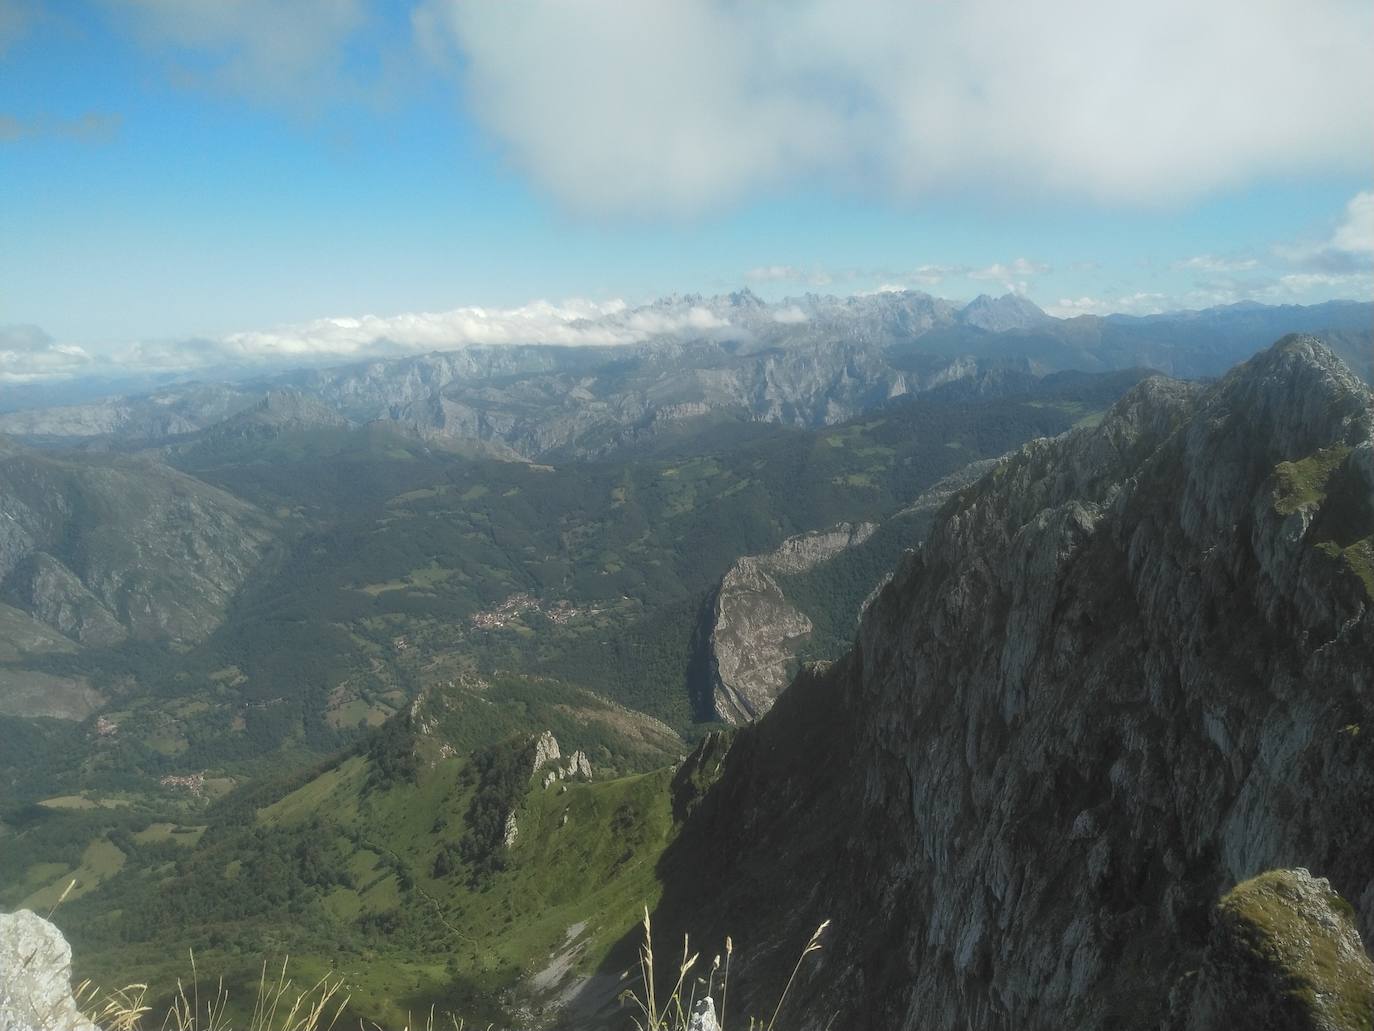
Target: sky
{"points": [[182, 180]]}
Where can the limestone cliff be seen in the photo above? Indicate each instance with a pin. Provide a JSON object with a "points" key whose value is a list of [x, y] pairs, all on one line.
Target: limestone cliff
{"points": [[757, 632], [755, 628], [1130, 668]]}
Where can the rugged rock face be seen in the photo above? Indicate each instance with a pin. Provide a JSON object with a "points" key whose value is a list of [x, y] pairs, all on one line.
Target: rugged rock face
{"points": [[544, 750], [754, 628], [35, 977], [1283, 953], [1130, 668]]}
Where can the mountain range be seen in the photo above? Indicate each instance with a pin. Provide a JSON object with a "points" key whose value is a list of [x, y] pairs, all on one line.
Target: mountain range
{"points": [[809, 361], [1044, 677]]}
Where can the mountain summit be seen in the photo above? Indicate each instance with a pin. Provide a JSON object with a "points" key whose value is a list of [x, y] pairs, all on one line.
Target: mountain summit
{"points": [[1128, 670], [1000, 314]]}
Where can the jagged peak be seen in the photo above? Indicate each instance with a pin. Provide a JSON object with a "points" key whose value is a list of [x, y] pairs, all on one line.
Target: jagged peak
{"points": [[1303, 352], [997, 314], [1298, 395]]}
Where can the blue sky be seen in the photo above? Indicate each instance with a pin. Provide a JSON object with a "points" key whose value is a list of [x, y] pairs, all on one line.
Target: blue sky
{"points": [[175, 169]]}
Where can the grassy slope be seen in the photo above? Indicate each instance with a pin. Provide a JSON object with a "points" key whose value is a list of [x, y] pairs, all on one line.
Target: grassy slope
{"points": [[403, 938]]}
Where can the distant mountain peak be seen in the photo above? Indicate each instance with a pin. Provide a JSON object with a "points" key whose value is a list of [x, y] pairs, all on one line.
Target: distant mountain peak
{"points": [[999, 314]]}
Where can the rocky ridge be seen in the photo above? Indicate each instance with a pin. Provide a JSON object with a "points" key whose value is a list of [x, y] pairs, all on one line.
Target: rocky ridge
{"points": [[1129, 669]]}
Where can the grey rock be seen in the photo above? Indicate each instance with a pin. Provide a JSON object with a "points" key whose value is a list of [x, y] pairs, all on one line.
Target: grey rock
{"points": [[35, 977], [544, 751], [755, 629], [703, 1017], [1129, 667], [579, 766]]}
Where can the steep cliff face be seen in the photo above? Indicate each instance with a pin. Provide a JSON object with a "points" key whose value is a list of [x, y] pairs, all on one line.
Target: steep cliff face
{"points": [[1130, 668], [755, 628]]}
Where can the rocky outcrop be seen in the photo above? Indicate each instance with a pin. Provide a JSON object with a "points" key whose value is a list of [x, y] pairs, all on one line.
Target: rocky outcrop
{"points": [[755, 629], [35, 977], [1283, 954], [579, 768], [703, 1016], [544, 751], [1129, 668]]}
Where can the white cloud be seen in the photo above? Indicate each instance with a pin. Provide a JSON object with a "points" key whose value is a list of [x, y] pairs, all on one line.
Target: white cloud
{"points": [[794, 274], [774, 274], [927, 276], [1015, 276], [790, 316], [27, 353], [1212, 263], [1355, 234], [1300, 283], [1019, 268], [679, 106], [572, 323], [1067, 307], [1348, 250], [292, 54], [1140, 303]]}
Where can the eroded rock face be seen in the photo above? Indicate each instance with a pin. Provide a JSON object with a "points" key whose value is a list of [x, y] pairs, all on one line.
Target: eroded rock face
{"points": [[35, 977], [1284, 954], [1130, 668], [579, 766], [755, 629], [546, 751]]}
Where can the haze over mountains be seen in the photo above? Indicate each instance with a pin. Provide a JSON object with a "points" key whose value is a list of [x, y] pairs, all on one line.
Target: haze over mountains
{"points": [[807, 361], [880, 609], [910, 656]]}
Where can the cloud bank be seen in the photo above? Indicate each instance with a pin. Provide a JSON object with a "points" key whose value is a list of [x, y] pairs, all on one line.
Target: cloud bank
{"points": [[571, 324], [675, 107], [28, 354]]}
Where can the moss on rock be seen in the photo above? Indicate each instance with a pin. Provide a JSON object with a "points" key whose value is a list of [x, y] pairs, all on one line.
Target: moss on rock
{"points": [[1284, 955]]}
